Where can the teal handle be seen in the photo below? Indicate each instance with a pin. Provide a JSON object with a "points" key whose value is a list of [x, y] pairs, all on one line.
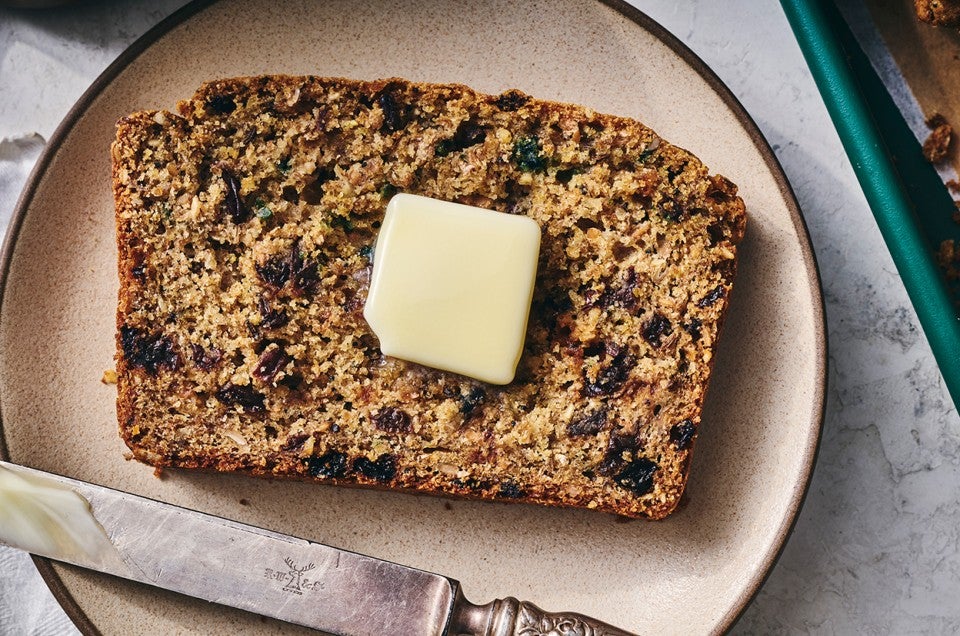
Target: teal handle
{"points": [[909, 201]]}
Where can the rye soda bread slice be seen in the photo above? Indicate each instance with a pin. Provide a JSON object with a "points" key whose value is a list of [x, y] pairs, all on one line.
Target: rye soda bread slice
{"points": [[246, 225]]}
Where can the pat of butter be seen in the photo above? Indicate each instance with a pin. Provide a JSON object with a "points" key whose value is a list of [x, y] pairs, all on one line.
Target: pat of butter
{"points": [[452, 285]]}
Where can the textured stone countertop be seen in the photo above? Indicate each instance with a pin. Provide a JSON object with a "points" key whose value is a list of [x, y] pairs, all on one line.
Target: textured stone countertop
{"points": [[875, 549]]}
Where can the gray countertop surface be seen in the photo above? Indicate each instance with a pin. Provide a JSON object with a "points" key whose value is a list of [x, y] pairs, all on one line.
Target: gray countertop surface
{"points": [[875, 549]]}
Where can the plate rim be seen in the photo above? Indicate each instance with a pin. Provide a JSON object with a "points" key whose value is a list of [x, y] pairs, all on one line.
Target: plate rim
{"points": [[678, 47]]}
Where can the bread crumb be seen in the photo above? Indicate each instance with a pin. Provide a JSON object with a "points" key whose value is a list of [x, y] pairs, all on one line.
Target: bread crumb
{"points": [[954, 186], [948, 256], [937, 145], [109, 377], [946, 253], [935, 121], [939, 12]]}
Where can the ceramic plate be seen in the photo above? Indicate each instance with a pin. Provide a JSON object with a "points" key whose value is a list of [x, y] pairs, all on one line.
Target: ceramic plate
{"points": [[693, 573]]}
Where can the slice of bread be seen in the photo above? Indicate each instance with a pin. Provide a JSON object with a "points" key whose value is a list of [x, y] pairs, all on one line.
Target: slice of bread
{"points": [[246, 225]]}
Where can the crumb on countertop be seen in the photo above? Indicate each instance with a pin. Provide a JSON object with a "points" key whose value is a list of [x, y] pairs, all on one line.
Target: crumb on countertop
{"points": [[948, 256], [939, 12], [937, 145]]}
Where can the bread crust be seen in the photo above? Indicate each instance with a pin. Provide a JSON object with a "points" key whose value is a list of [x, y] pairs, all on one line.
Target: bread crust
{"points": [[245, 225]]}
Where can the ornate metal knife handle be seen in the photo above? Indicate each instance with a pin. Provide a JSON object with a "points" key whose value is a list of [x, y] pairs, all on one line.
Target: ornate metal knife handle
{"points": [[510, 617]]}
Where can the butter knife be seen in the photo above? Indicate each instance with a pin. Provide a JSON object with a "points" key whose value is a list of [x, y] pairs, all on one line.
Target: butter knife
{"points": [[222, 561]]}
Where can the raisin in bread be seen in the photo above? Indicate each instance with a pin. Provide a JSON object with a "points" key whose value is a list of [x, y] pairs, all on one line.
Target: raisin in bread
{"points": [[246, 225]]}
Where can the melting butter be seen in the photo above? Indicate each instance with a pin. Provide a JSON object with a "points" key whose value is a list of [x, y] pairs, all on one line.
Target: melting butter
{"points": [[47, 518], [452, 285]]}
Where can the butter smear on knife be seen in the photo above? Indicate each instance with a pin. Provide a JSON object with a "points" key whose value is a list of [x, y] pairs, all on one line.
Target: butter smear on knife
{"points": [[452, 285], [44, 517]]}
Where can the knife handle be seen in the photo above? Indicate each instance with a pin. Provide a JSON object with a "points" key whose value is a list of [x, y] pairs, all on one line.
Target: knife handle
{"points": [[510, 617]]}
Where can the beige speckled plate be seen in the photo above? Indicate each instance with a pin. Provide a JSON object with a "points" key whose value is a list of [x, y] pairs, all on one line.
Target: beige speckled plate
{"points": [[693, 573]]}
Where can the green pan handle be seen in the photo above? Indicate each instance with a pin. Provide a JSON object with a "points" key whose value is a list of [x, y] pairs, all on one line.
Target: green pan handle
{"points": [[909, 201]]}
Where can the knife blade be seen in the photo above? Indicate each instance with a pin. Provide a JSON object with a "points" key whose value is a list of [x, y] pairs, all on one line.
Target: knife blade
{"points": [[325, 588]]}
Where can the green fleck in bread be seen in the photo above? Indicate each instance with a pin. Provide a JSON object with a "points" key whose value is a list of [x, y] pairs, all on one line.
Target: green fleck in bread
{"points": [[246, 225]]}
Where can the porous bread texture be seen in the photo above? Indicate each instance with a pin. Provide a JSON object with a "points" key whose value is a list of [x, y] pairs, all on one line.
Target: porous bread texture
{"points": [[246, 225], [939, 12]]}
